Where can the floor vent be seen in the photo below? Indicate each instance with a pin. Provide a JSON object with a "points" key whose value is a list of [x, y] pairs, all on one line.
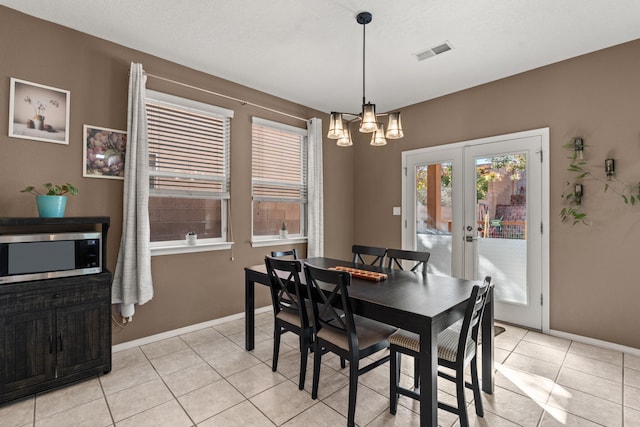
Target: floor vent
{"points": [[436, 50]]}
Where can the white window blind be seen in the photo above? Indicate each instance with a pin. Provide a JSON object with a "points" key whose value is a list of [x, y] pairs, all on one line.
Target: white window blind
{"points": [[278, 162], [188, 147], [189, 144], [278, 180]]}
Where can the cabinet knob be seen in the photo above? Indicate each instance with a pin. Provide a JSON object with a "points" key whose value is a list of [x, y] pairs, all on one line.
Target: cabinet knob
{"points": [[56, 296]]}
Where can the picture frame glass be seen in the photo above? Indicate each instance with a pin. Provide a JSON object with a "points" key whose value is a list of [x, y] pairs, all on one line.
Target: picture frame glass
{"points": [[104, 152]]}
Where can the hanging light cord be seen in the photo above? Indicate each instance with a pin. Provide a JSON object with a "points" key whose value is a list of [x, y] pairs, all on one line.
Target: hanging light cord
{"points": [[364, 45]]}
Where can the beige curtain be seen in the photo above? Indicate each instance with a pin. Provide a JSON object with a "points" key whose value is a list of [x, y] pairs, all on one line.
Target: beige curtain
{"points": [[132, 282], [315, 239]]}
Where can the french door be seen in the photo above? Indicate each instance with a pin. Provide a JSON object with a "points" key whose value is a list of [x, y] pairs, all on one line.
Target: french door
{"points": [[479, 207]]}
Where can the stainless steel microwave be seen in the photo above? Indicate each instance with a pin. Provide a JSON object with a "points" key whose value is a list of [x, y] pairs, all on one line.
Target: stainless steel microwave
{"points": [[25, 257]]}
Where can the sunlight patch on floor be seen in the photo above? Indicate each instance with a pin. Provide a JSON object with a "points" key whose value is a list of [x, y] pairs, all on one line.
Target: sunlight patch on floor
{"points": [[538, 389]]}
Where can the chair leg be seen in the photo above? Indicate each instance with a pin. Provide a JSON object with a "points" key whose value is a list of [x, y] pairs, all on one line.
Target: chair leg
{"points": [[343, 363], [276, 346], [317, 358], [353, 392], [304, 351], [477, 399], [394, 379], [416, 373], [462, 404]]}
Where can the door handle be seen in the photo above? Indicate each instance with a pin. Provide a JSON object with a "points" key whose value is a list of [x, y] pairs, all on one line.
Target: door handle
{"points": [[470, 239]]}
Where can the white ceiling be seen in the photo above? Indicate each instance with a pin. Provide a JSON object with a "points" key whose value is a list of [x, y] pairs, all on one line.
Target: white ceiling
{"points": [[310, 51]]}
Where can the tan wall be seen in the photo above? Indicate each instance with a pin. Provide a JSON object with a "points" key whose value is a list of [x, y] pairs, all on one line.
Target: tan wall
{"points": [[189, 288], [594, 288]]}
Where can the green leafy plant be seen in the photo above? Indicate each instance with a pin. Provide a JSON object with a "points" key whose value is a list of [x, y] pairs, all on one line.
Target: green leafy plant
{"points": [[52, 190], [574, 212]]}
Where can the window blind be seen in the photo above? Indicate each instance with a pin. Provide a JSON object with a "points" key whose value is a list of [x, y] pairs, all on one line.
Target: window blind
{"points": [[188, 149], [278, 162]]}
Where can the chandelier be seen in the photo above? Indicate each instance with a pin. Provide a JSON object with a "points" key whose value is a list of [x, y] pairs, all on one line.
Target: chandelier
{"points": [[339, 125]]}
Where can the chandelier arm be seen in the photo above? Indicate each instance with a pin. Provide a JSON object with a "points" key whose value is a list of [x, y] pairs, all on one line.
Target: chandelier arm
{"points": [[355, 115]]}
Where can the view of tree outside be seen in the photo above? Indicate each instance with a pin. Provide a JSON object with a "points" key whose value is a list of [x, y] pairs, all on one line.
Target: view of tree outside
{"points": [[434, 207]]}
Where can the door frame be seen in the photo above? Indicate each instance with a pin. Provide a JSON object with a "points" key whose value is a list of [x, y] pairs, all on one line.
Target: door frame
{"points": [[543, 134]]}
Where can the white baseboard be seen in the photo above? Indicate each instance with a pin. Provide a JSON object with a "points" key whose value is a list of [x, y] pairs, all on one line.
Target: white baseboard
{"points": [[176, 332], [595, 342], [192, 328]]}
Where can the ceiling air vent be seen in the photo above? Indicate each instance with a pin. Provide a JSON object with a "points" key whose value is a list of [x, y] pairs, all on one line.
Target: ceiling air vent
{"points": [[436, 50]]}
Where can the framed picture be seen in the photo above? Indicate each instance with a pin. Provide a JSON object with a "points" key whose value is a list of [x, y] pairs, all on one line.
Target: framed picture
{"points": [[104, 151], [38, 112]]}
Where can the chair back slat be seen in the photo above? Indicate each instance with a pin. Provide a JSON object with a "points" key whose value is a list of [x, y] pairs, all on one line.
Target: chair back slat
{"points": [[293, 253], [287, 291], [420, 259], [377, 253]]}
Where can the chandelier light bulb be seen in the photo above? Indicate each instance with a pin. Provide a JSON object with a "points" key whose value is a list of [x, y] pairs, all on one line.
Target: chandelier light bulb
{"points": [[394, 128], [369, 121], [378, 139], [336, 126], [345, 139]]}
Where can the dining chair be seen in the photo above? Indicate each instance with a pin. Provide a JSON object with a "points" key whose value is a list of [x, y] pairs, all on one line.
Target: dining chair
{"points": [[377, 253], [419, 258], [291, 314], [293, 253], [457, 348], [339, 331]]}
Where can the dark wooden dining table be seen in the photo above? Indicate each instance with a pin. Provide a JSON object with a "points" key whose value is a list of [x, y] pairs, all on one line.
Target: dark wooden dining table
{"points": [[424, 304]]}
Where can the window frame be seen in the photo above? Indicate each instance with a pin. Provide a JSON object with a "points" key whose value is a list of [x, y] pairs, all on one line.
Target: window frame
{"points": [[169, 247], [275, 239]]}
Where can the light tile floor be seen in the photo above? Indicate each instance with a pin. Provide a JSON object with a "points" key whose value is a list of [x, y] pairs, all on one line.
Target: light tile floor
{"points": [[206, 378]]}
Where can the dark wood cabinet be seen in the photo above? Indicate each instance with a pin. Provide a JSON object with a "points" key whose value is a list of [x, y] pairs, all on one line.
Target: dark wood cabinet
{"points": [[53, 332], [25, 343]]}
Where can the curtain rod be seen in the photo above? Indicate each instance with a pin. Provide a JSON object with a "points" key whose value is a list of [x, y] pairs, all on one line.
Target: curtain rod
{"points": [[243, 102]]}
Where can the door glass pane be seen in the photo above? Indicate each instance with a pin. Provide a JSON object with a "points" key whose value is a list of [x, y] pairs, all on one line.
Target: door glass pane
{"points": [[433, 215], [501, 215]]}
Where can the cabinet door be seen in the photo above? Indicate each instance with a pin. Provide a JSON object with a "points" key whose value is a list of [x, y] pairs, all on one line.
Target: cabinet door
{"points": [[26, 350], [83, 337]]}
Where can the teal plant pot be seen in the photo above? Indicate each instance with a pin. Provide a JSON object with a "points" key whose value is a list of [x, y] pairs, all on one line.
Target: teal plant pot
{"points": [[51, 206]]}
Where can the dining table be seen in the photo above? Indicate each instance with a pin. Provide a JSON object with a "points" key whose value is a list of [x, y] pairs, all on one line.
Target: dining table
{"points": [[425, 304]]}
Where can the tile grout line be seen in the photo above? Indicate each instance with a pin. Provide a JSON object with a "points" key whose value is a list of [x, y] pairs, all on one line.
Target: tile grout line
{"points": [[106, 401]]}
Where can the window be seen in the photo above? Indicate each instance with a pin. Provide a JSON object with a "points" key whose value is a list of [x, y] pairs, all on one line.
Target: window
{"points": [[278, 179], [189, 169]]}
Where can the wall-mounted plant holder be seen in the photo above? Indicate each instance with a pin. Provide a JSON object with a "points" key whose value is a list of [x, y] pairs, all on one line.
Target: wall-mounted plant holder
{"points": [[578, 147], [578, 192], [610, 168]]}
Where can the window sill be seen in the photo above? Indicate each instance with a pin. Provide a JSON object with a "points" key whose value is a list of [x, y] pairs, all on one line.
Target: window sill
{"points": [[278, 242], [183, 248]]}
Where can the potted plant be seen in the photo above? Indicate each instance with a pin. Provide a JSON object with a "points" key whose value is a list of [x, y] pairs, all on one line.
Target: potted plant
{"points": [[52, 201], [283, 230], [191, 238]]}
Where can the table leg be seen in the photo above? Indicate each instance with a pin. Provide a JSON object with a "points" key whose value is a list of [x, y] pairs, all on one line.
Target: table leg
{"points": [[488, 371], [429, 377], [249, 312]]}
